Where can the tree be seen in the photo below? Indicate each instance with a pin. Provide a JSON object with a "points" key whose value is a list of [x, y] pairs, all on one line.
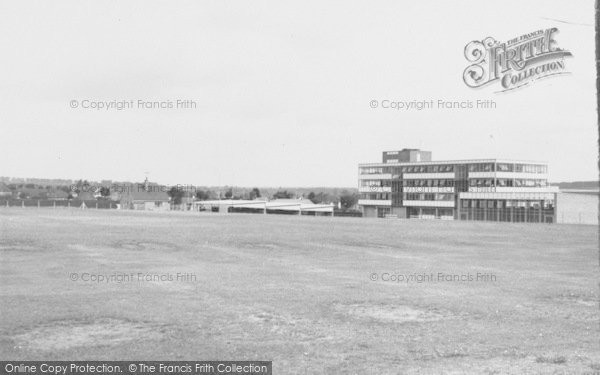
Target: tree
{"points": [[348, 200], [283, 195], [104, 192], [311, 196], [176, 194], [202, 195], [229, 193], [254, 193]]}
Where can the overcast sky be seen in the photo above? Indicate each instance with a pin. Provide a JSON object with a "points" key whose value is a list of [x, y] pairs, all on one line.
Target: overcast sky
{"points": [[282, 88]]}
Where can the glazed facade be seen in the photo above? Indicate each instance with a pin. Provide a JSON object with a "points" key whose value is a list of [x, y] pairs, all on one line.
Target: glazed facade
{"points": [[407, 184]]}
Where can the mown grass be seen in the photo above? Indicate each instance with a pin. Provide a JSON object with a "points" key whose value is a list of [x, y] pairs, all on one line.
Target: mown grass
{"points": [[299, 291]]}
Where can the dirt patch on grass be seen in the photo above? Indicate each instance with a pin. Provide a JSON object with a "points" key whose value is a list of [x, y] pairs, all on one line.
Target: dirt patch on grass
{"points": [[273, 321], [393, 313], [293, 328], [553, 359], [19, 246], [144, 246], [67, 334], [573, 297]]}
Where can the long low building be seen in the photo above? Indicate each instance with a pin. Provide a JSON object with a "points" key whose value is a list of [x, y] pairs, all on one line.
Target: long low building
{"points": [[290, 206], [408, 184]]}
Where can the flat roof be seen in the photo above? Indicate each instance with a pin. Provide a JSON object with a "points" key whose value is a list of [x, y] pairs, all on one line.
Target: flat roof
{"points": [[466, 161]]}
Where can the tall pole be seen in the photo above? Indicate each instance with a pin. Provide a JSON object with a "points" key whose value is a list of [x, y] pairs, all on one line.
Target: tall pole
{"points": [[597, 6]]}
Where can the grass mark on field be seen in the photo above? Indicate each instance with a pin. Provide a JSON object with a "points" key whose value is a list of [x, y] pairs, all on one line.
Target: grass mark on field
{"points": [[392, 313], [68, 334]]}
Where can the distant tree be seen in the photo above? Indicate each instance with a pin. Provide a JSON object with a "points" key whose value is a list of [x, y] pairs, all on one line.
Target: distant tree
{"points": [[283, 195], [176, 194], [229, 193], [254, 193], [319, 197], [29, 186], [348, 200], [311, 196], [104, 191], [202, 195]]}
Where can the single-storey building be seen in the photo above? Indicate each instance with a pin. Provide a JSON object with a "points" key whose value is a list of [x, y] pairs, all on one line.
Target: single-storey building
{"points": [[299, 206], [146, 196], [5, 192]]}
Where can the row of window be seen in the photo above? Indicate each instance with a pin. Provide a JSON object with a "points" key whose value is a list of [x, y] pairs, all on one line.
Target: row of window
{"points": [[448, 168], [522, 168], [487, 204], [416, 212], [501, 182], [427, 169], [374, 170], [375, 196], [376, 183], [428, 183], [428, 197], [482, 182]]}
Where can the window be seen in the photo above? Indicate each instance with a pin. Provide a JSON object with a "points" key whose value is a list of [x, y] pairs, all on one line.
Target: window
{"points": [[371, 170], [504, 167]]}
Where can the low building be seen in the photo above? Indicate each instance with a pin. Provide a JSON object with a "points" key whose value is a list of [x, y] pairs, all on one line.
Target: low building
{"points": [[5, 192], [408, 184], [278, 206], [146, 196], [58, 195]]}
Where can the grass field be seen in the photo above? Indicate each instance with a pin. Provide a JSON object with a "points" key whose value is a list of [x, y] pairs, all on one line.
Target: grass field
{"points": [[299, 291]]}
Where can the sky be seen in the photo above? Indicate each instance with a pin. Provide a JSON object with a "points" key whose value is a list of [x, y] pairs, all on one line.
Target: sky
{"points": [[282, 89]]}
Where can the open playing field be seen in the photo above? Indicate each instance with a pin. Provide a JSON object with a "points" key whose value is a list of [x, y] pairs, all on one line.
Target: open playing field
{"points": [[299, 291]]}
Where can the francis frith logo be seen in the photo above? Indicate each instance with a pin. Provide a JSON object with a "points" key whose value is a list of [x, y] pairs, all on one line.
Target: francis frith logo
{"points": [[515, 63]]}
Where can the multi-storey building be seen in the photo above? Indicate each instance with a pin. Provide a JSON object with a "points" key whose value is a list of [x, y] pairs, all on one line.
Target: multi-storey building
{"points": [[408, 184]]}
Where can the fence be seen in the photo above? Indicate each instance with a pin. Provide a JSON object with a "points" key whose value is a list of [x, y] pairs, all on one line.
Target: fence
{"points": [[74, 203]]}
